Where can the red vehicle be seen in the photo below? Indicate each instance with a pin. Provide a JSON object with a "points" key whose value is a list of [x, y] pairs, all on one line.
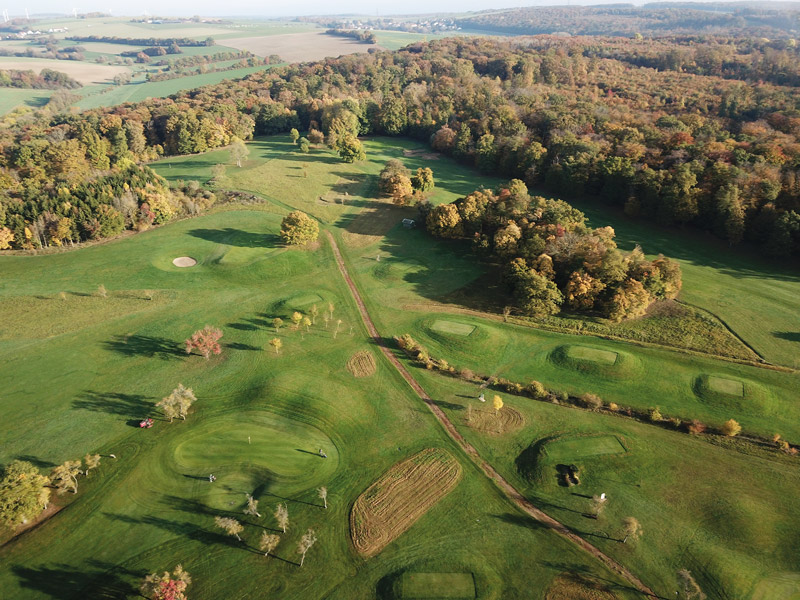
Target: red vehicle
{"points": [[146, 424]]}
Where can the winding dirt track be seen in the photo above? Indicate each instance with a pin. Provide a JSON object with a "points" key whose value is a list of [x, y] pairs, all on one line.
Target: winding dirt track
{"points": [[509, 490]]}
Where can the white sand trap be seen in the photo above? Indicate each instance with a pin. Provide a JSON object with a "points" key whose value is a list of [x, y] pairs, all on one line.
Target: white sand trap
{"points": [[184, 261]]}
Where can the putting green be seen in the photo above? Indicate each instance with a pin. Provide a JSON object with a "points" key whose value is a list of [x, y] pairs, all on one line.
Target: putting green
{"points": [[452, 327], [305, 300], [781, 586], [570, 449], [605, 357], [721, 385], [256, 451], [428, 586]]}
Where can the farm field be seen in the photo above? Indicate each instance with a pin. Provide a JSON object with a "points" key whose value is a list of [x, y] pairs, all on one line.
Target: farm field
{"points": [[712, 505], [13, 98], [298, 47], [84, 72]]}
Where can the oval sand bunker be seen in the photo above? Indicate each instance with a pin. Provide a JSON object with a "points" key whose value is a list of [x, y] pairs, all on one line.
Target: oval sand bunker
{"points": [[184, 261]]}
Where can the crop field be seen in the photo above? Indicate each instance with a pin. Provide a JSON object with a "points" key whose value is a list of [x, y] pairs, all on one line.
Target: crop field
{"points": [[84, 72], [299, 47], [400, 497]]}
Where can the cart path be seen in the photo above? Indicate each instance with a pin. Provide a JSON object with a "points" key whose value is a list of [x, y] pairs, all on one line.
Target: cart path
{"points": [[508, 489]]}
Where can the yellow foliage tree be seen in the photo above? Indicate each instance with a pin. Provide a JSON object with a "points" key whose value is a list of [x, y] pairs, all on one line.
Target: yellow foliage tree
{"points": [[497, 402], [731, 428]]}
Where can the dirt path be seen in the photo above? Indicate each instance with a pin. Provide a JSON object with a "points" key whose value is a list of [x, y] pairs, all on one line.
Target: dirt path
{"points": [[490, 472]]}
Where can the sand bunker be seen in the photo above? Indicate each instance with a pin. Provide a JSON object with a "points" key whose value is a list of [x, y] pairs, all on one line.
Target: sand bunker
{"points": [[184, 261]]}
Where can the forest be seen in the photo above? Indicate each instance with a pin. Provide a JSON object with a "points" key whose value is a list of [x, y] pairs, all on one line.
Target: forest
{"points": [[573, 117]]}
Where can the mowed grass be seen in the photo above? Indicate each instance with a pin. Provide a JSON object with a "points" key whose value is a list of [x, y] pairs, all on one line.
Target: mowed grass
{"points": [[711, 509], [258, 425], [419, 586], [722, 385], [11, 99], [452, 327], [592, 354]]}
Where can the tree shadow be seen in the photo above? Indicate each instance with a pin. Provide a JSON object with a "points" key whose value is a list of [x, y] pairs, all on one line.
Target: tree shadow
{"points": [[35, 461], [449, 405], [791, 336], [115, 403], [520, 521], [144, 345], [237, 237], [241, 326], [95, 579], [240, 346]]}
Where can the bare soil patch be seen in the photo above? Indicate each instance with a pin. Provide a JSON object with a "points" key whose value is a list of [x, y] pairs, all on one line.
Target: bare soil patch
{"points": [[86, 73], [417, 152], [486, 421], [361, 364], [184, 261], [576, 587], [391, 505], [430, 156], [299, 47]]}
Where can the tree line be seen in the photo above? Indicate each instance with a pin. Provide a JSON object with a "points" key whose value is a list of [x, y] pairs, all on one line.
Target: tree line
{"points": [[676, 148], [360, 35], [47, 79], [143, 41]]}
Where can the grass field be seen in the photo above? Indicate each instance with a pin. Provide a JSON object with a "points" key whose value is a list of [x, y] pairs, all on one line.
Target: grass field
{"points": [[81, 378], [419, 586], [84, 72], [11, 99]]}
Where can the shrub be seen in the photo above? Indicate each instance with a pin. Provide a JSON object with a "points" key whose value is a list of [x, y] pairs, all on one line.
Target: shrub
{"points": [[613, 406], [695, 427], [467, 374], [591, 401], [537, 390], [731, 428], [655, 415]]}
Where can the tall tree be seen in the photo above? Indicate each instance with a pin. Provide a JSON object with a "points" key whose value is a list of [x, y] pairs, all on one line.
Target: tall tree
{"points": [[239, 151], [309, 539], [65, 476], [294, 134], [23, 493], [230, 526], [282, 516]]}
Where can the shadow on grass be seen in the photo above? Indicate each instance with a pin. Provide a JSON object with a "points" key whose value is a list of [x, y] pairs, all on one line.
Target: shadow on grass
{"points": [[240, 346], [35, 461], [94, 579], [520, 521], [237, 237], [585, 578], [145, 345], [449, 405], [115, 403], [791, 336]]}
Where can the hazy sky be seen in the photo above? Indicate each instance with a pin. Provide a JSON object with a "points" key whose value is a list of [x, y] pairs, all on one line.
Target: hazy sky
{"points": [[270, 8]]}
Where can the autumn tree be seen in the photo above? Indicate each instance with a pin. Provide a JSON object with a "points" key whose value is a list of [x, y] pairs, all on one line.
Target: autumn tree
{"points": [[350, 149], [23, 493], [90, 461], [315, 136], [731, 428], [168, 586], [307, 323], [305, 145], [268, 542], [497, 403], [6, 237], [252, 507], [294, 134], [394, 181], [239, 151], [65, 476], [689, 587], [423, 179], [230, 526], [314, 312], [277, 344], [309, 539], [205, 341], [629, 301], [296, 318], [277, 323], [323, 495], [297, 229], [101, 291], [598, 504], [178, 403], [282, 516]]}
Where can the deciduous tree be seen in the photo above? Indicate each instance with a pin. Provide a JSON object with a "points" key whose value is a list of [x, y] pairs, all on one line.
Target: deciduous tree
{"points": [[205, 341], [239, 151], [65, 476], [277, 322], [689, 587], [252, 507], [731, 428], [90, 461], [631, 528], [297, 228], [497, 403], [178, 403], [282, 516], [268, 542], [230, 526], [309, 539], [277, 344], [294, 134], [23, 493], [323, 495], [166, 586]]}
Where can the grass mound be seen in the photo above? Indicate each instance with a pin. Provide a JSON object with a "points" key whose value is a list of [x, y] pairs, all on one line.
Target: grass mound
{"points": [[435, 586], [392, 504], [247, 450], [570, 586], [595, 361], [485, 420], [732, 394], [452, 327], [785, 586], [361, 364], [570, 449]]}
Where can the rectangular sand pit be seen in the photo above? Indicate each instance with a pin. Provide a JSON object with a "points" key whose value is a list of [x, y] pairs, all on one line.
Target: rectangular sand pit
{"points": [[605, 357], [720, 385], [419, 586], [452, 327]]}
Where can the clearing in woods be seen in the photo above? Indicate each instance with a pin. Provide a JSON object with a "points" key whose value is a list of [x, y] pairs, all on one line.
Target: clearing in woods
{"points": [[361, 364], [421, 586], [570, 449], [452, 327], [392, 504]]}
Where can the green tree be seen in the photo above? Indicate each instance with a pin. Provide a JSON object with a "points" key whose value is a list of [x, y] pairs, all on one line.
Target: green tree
{"points": [[423, 180], [239, 151], [305, 145], [297, 229], [23, 493], [350, 149], [65, 476], [277, 344], [536, 295], [294, 134]]}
